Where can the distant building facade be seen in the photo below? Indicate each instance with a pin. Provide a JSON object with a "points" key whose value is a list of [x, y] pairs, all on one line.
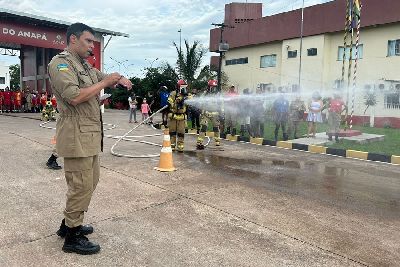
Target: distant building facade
{"points": [[4, 76], [265, 52]]}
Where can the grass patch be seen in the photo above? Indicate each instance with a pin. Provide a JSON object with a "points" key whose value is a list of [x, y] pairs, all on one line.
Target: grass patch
{"points": [[390, 146]]}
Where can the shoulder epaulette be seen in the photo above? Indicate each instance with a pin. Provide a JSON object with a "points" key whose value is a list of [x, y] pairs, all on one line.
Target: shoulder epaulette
{"points": [[63, 54]]}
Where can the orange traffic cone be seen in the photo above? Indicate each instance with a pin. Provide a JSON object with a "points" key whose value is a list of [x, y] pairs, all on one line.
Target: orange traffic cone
{"points": [[166, 164]]}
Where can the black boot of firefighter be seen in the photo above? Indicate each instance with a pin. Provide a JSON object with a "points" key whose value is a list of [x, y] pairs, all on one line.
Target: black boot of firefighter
{"points": [[52, 163], [85, 229], [77, 242]]}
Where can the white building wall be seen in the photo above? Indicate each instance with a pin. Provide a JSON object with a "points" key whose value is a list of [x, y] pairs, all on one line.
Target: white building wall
{"points": [[250, 75], [4, 76], [320, 72]]}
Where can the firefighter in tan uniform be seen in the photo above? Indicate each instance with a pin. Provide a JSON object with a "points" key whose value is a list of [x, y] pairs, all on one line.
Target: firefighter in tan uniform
{"points": [[177, 115], [76, 85], [213, 115]]}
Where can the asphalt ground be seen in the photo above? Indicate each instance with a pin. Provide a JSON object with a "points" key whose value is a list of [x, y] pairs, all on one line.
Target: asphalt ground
{"points": [[247, 205]]}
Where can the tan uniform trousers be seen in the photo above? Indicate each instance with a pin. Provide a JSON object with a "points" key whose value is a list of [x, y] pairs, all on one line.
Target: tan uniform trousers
{"points": [[334, 122], [82, 175]]}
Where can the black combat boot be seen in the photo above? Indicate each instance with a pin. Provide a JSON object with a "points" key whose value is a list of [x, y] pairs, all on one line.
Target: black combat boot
{"points": [[233, 131], [52, 163], [285, 137], [76, 242], [85, 229], [228, 130], [200, 146], [337, 138], [276, 134], [242, 128]]}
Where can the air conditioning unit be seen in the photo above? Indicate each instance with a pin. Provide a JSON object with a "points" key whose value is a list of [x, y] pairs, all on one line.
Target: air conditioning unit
{"points": [[338, 84], [368, 87]]}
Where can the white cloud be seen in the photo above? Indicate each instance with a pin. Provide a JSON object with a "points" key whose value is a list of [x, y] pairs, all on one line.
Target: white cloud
{"points": [[152, 25]]}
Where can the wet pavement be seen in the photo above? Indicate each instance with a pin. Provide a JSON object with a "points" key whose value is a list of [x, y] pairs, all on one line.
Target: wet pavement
{"points": [[248, 205]]}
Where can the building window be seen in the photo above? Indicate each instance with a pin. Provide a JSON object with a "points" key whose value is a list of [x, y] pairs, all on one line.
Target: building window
{"points": [[236, 61], [2, 80], [292, 54], [392, 100], [312, 52], [393, 48], [237, 21], [341, 50], [268, 61]]}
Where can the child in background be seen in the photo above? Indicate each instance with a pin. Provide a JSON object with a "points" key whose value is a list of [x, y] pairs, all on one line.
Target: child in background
{"points": [[145, 108]]}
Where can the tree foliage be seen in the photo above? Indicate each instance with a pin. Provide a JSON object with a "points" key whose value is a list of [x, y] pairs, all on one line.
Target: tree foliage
{"points": [[14, 76], [189, 60]]}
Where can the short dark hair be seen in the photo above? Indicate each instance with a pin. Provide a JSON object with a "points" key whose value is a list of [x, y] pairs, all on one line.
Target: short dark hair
{"points": [[77, 29]]}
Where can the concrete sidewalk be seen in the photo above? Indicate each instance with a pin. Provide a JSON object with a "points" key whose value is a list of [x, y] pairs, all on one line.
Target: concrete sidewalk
{"points": [[245, 206]]}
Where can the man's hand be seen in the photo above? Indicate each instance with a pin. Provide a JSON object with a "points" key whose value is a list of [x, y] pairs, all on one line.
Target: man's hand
{"points": [[125, 82], [112, 79]]}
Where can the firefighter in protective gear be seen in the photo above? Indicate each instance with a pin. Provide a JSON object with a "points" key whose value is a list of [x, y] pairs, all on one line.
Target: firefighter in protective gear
{"points": [[48, 112], [210, 113], [177, 115]]}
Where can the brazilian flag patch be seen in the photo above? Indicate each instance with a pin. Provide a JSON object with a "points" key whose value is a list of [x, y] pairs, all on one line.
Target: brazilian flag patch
{"points": [[62, 67]]}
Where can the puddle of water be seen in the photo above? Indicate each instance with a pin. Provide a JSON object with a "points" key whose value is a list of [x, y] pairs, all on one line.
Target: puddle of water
{"points": [[312, 179]]}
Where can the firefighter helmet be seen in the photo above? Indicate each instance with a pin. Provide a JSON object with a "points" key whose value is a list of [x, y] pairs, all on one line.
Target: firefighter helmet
{"points": [[181, 82], [181, 87]]}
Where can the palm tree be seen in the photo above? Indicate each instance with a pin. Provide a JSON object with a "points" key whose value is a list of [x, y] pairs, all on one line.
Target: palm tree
{"points": [[189, 61]]}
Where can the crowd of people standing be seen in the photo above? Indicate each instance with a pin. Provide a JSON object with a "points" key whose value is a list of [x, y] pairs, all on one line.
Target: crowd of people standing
{"points": [[24, 100]]}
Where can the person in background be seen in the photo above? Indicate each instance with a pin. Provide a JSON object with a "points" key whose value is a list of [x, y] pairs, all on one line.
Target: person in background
{"points": [[314, 114], [244, 112], [280, 114], [7, 99], [336, 107], [151, 102], [145, 109], [1, 100], [296, 113], [257, 117], [132, 107], [194, 113], [231, 110], [164, 94], [35, 100]]}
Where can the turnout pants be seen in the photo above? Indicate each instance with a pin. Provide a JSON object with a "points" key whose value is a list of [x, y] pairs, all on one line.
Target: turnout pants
{"points": [[177, 129], [82, 175], [214, 119]]}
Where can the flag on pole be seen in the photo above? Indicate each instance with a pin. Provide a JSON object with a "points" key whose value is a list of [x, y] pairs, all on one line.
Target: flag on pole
{"points": [[357, 8]]}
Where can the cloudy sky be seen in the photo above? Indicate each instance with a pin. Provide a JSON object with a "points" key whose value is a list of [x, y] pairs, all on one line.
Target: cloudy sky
{"points": [[152, 25]]}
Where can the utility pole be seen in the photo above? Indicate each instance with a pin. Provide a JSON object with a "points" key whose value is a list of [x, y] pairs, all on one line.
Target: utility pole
{"points": [[180, 50], [301, 42], [221, 50]]}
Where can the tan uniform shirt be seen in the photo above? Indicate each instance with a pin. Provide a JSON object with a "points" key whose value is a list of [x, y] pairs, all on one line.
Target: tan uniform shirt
{"points": [[79, 128]]}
